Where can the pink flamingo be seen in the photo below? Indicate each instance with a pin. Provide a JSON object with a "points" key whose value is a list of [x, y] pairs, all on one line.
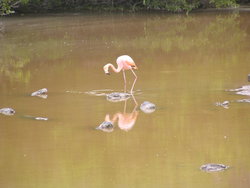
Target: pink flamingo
{"points": [[124, 62]]}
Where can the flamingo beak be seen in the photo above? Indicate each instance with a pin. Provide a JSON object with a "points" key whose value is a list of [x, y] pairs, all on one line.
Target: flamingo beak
{"points": [[107, 73]]}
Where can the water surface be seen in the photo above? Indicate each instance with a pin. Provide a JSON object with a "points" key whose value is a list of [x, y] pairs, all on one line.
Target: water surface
{"points": [[185, 65]]}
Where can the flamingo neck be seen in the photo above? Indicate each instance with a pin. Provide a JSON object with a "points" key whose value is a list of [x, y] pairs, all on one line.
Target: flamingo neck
{"points": [[118, 69]]}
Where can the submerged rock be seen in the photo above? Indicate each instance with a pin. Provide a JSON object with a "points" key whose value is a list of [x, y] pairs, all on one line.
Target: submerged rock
{"points": [[223, 104], [98, 92], [7, 111], [106, 126], [117, 97], [36, 118], [213, 167], [243, 100], [41, 93], [147, 107]]}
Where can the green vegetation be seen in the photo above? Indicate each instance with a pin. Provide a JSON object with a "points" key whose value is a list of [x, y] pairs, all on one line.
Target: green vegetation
{"points": [[24, 6]]}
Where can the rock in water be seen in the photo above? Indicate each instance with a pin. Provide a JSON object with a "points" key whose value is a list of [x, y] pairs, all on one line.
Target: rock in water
{"points": [[147, 107], [41, 93], [213, 167], [243, 90], [223, 104], [7, 111], [117, 97], [106, 126]]}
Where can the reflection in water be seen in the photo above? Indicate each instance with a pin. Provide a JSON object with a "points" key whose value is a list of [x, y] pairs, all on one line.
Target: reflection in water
{"points": [[2, 29], [125, 120], [96, 92], [224, 32]]}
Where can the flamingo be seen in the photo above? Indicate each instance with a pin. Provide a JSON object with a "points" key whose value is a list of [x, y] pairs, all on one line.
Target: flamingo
{"points": [[124, 62]]}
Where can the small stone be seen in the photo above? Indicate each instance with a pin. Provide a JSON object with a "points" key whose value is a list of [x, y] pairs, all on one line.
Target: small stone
{"points": [[7, 111], [40, 93], [106, 126], [223, 104], [213, 167], [147, 107]]}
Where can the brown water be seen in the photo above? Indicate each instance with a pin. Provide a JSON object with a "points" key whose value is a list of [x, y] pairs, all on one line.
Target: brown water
{"points": [[185, 65]]}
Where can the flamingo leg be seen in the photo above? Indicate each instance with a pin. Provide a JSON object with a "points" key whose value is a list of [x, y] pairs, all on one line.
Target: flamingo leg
{"points": [[107, 118], [125, 82], [131, 91], [136, 104], [125, 107]]}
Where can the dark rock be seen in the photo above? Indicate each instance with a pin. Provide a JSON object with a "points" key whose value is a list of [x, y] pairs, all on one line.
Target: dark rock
{"points": [[106, 126]]}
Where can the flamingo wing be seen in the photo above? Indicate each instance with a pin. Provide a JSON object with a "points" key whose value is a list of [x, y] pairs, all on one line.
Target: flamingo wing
{"points": [[128, 61]]}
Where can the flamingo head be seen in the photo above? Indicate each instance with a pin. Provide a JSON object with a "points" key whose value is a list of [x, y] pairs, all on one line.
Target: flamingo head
{"points": [[134, 67], [106, 69]]}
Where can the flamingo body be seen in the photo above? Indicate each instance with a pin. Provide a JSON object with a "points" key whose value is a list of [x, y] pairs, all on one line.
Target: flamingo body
{"points": [[126, 62]]}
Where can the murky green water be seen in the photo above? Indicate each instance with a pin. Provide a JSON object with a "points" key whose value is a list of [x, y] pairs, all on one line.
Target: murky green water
{"points": [[185, 65]]}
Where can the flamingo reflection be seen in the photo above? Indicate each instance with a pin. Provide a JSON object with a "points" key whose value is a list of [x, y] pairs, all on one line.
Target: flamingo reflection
{"points": [[125, 120]]}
